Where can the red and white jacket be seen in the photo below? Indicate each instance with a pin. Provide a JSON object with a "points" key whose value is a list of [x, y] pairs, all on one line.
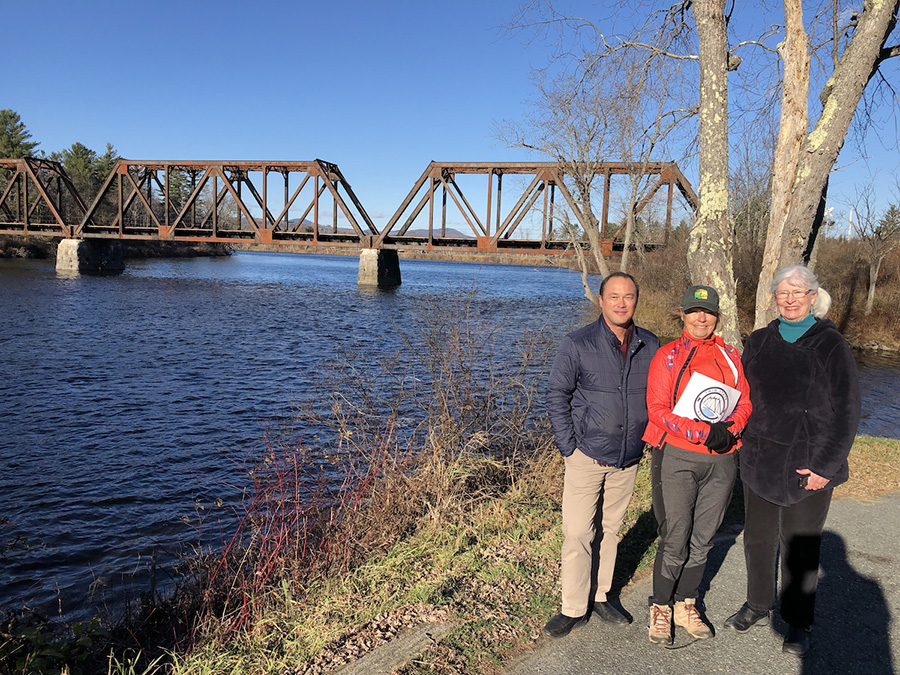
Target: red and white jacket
{"points": [[672, 367]]}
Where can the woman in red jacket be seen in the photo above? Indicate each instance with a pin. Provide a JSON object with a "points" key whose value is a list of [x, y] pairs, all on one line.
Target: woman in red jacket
{"points": [[694, 421]]}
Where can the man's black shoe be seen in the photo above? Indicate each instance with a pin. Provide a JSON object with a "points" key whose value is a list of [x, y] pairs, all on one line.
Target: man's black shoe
{"points": [[561, 625], [610, 613], [797, 641], [745, 618]]}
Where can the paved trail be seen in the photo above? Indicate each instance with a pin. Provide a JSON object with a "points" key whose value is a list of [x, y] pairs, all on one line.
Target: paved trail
{"points": [[856, 631]]}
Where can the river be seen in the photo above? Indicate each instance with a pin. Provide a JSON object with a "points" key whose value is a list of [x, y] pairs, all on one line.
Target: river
{"points": [[131, 404]]}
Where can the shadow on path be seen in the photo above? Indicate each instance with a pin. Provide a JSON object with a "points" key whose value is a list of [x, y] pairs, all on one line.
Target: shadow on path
{"points": [[852, 630]]}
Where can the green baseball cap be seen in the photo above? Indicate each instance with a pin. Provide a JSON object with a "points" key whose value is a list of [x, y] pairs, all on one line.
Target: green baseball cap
{"points": [[702, 297]]}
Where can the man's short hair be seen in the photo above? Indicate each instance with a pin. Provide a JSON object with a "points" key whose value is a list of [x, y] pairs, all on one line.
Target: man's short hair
{"points": [[623, 275]]}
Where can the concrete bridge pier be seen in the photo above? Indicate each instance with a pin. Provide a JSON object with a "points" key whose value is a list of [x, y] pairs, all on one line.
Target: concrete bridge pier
{"points": [[379, 267], [89, 255]]}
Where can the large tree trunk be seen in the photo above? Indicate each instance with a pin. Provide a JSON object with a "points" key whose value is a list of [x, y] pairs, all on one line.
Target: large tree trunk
{"points": [[840, 98], [709, 251], [791, 132]]}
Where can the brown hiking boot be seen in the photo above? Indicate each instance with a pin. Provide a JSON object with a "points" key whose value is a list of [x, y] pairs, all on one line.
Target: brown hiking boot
{"points": [[660, 624], [688, 617]]}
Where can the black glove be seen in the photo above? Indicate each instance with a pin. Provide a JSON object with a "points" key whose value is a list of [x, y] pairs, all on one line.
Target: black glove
{"points": [[720, 439]]}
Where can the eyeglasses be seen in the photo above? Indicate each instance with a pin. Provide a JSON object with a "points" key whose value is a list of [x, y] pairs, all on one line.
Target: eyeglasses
{"points": [[793, 295]]}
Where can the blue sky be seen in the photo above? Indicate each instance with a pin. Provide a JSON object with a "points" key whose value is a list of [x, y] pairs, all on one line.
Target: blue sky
{"points": [[379, 88]]}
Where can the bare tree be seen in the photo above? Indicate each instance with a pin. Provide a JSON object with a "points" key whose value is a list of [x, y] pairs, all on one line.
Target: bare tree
{"points": [[568, 123], [669, 35], [646, 113], [849, 40], [804, 160], [879, 234], [750, 205], [619, 108]]}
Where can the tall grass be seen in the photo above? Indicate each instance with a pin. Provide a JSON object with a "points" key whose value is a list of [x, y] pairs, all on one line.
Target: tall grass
{"points": [[423, 440]]}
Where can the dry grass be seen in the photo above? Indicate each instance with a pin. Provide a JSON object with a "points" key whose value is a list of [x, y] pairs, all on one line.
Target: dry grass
{"points": [[467, 531], [664, 274], [874, 469]]}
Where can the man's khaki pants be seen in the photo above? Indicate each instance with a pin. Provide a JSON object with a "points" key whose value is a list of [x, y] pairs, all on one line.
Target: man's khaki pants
{"points": [[589, 487]]}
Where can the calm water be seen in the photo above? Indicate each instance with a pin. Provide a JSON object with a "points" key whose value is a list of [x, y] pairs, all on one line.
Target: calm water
{"points": [[131, 403]]}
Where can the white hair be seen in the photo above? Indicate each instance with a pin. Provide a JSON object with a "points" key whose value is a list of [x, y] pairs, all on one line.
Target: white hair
{"points": [[822, 303], [803, 277]]}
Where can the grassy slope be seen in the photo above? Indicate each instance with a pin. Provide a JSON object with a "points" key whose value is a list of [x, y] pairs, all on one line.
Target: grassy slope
{"points": [[494, 571]]}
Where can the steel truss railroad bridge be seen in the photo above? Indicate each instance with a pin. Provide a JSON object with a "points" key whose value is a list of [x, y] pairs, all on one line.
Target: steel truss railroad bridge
{"points": [[285, 203]]}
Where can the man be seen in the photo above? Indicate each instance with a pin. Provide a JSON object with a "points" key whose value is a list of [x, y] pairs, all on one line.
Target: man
{"points": [[597, 402]]}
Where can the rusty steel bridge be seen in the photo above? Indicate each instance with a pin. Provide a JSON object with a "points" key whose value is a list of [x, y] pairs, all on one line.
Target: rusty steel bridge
{"points": [[285, 203]]}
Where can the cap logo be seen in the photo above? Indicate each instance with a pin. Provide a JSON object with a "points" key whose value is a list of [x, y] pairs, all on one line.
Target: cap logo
{"points": [[701, 294]]}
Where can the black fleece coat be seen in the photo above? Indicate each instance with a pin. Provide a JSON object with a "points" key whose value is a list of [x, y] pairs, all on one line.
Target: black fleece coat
{"points": [[806, 410], [597, 400]]}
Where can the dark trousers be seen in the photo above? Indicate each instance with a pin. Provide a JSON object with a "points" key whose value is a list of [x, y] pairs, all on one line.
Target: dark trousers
{"points": [[797, 529], [691, 491]]}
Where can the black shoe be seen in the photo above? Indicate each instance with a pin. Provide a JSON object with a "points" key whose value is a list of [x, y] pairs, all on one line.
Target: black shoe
{"points": [[561, 625], [610, 613], [797, 641], [745, 618]]}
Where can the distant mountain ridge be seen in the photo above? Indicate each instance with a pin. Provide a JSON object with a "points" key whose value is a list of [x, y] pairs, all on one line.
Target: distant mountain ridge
{"points": [[452, 233]]}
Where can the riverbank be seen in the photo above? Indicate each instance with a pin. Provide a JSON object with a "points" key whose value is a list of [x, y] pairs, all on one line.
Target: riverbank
{"points": [[563, 260], [474, 446], [44, 248], [492, 573], [663, 275]]}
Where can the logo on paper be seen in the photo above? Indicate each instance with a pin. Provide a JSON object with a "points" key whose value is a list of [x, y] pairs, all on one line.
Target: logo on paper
{"points": [[710, 404]]}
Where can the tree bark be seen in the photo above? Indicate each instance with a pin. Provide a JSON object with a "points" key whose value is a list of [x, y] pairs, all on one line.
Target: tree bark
{"points": [[840, 98], [709, 250], [794, 51], [592, 227], [874, 268]]}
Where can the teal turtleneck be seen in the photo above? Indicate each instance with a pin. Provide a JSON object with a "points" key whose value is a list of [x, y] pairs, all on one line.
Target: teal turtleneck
{"points": [[792, 330]]}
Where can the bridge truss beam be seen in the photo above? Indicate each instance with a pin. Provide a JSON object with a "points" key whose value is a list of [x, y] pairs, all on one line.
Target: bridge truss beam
{"points": [[284, 203], [225, 202], [37, 197], [493, 229]]}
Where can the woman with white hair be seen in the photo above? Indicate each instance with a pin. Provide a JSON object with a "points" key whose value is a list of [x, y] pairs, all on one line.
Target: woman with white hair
{"points": [[806, 407]]}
